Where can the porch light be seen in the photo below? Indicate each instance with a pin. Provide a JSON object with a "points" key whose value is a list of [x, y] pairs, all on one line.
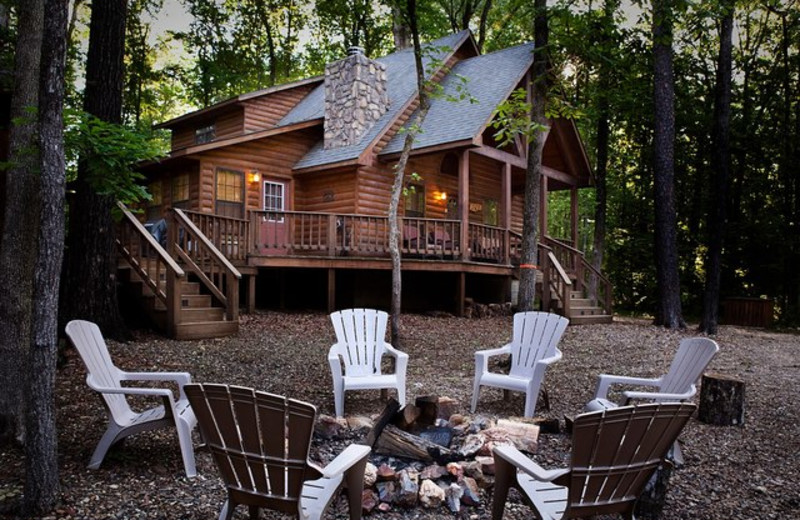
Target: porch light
{"points": [[254, 176], [442, 196]]}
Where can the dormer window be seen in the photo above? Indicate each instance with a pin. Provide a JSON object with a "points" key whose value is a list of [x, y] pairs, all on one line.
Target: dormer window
{"points": [[204, 135]]}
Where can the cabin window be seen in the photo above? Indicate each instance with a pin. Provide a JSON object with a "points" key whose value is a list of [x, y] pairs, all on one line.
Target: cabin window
{"points": [[415, 200], [205, 134], [180, 191], [490, 212], [156, 200], [230, 193], [274, 200]]}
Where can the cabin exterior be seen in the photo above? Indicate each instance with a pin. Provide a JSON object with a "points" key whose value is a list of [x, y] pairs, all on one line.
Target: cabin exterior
{"points": [[283, 194]]}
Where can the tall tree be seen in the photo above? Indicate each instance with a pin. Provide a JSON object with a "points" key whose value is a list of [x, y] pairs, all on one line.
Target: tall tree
{"points": [[41, 454], [90, 283], [533, 174], [668, 305], [721, 158], [18, 252], [410, 18]]}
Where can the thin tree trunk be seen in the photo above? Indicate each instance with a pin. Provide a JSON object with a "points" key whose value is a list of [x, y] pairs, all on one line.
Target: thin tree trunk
{"points": [[533, 176], [721, 160], [41, 460], [668, 306], [18, 254], [399, 175], [90, 283]]}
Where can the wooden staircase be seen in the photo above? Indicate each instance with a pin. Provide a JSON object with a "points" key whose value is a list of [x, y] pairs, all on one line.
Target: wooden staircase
{"points": [[571, 286], [188, 290]]}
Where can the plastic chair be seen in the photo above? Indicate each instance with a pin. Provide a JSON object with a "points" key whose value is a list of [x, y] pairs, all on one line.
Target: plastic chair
{"points": [[360, 345], [260, 444], [533, 348], [106, 379], [614, 454]]}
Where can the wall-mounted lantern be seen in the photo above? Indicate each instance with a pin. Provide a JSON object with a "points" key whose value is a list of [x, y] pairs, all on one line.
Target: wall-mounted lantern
{"points": [[253, 176]]}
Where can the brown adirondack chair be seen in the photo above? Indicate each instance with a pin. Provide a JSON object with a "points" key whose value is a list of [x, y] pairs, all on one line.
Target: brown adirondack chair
{"points": [[614, 454], [260, 443]]}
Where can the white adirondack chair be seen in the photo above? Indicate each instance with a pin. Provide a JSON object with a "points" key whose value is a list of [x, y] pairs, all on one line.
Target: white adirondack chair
{"points": [[360, 345], [106, 379], [614, 454], [678, 384], [260, 444], [533, 347]]}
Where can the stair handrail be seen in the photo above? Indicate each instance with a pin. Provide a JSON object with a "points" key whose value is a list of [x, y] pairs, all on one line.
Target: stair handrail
{"points": [[169, 296], [582, 267], [213, 269]]}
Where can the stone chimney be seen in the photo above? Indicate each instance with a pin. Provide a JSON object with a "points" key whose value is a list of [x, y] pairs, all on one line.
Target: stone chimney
{"points": [[355, 98]]}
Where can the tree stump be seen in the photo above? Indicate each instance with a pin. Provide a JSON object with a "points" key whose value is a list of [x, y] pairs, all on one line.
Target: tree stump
{"points": [[721, 400]]}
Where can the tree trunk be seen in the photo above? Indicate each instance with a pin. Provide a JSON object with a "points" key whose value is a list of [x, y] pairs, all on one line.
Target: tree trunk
{"points": [[668, 306], [533, 175], [721, 161], [400, 30], [41, 460], [399, 175], [18, 254], [90, 284]]}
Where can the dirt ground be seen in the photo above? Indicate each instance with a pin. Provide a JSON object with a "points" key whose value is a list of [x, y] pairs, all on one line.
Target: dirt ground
{"points": [[744, 472]]}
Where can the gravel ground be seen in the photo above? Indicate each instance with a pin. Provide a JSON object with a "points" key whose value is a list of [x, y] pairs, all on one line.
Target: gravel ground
{"points": [[730, 472]]}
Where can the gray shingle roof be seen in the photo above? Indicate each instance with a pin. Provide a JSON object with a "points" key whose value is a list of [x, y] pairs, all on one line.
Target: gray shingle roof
{"points": [[401, 85], [491, 77]]}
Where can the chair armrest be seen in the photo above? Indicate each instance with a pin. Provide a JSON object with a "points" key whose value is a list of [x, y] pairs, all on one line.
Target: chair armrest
{"points": [[400, 357], [516, 458], [181, 378], [335, 361], [156, 392], [661, 397], [552, 359], [482, 357], [345, 460], [604, 381]]}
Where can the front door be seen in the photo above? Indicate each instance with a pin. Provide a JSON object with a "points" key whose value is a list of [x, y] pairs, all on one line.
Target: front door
{"points": [[273, 236]]}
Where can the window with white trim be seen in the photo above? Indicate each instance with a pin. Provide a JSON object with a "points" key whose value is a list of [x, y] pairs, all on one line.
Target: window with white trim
{"points": [[274, 199]]}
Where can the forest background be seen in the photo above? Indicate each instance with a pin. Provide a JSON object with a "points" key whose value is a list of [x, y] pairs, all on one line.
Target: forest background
{"points": [[187, 54]]}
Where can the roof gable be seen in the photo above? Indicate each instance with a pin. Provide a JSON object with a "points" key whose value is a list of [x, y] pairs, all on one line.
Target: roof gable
{"points": [[491, 78]]}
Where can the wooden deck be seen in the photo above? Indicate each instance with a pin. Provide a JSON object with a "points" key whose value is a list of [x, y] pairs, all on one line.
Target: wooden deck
{"points": [[217, 251]]}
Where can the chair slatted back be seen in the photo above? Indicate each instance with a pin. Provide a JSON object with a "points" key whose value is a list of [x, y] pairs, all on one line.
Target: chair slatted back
{"points": [[536, 336], [89, 342], [361, 333], [615, 451], [259, 441], [693, 356]]}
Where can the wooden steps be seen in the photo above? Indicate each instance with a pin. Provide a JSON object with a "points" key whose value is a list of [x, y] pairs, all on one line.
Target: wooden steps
{"points": [[199, 318], [585, 311]]}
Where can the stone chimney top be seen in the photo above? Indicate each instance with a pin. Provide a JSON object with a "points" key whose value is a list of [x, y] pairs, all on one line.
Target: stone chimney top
{"points": [[355, 98]]}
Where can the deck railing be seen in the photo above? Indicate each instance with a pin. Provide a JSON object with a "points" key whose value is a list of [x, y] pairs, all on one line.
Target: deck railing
{"points": [[488, 243], [211, 267], [151, 262], [587, 278], [229, 235]]}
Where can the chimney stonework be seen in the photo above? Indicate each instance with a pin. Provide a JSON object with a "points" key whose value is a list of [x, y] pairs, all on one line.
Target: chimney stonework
{"points": [[355, 98]]}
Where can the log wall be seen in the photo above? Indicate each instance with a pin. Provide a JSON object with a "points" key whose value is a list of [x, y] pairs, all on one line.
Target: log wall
{"points": [[264, 112], [228, 124]]}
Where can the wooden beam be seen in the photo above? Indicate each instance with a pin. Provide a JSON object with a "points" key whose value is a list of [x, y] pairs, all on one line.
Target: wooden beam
{"points": [[500, 155], [251, 293], [461, 293], [543, 207], [573, 203], [463, 202], [429, 149], [505, 219], [331, 290], [559, 176]]}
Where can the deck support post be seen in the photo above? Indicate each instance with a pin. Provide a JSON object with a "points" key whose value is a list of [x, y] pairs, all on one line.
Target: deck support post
{"points": [[463, 203], [251, 293], [461, 293], [331, 290]]}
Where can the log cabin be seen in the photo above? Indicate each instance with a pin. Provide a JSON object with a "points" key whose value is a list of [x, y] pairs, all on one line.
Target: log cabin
{"points": [[280, 197]]}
